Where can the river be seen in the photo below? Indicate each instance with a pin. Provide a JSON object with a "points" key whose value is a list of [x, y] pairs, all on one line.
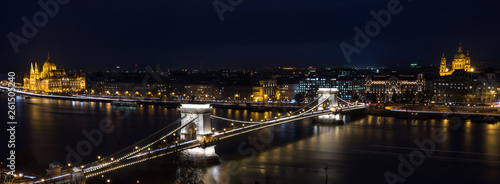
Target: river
{"points": [[366, 149]]}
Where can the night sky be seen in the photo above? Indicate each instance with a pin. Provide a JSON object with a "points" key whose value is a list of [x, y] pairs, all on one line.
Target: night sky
{"points": [[180, 34]]}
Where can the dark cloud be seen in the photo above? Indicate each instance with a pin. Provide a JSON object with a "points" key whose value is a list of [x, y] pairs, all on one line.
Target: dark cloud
{"points": [[180, 34]]}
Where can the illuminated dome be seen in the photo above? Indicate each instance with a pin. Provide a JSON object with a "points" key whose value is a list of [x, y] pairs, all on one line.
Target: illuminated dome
{"points": [[461, 62], [460, 54], [49, 65]]}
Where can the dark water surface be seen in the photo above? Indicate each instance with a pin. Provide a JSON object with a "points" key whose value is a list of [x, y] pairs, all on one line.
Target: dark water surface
{"points": [[359, 152]]}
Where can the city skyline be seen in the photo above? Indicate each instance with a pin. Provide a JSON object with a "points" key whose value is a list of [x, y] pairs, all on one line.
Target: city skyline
{"points": [[443, 65], [240, 91]]}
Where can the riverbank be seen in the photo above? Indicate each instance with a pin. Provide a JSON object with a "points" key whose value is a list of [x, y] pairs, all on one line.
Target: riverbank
{"points": [[429, 114], [257, 107]]}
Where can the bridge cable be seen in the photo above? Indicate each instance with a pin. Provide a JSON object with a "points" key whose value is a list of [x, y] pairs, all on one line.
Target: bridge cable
{"points": [[173, 124]]}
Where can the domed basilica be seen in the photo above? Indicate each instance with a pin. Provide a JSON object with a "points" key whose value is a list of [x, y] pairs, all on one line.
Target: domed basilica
{"points": [[51, 79], [460, 62]]}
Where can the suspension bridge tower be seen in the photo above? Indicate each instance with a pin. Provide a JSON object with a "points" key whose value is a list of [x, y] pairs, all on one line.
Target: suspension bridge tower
{"points": [[201, 127], [329, 96]]}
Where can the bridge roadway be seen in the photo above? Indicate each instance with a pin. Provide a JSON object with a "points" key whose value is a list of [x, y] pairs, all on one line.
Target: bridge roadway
{"points": [[218, 136], [266, 124], [99, 170], [109, 163]]}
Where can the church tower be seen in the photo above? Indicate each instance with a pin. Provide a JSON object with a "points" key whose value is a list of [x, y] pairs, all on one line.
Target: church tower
{"points": [[442, 68], [467, 67]]}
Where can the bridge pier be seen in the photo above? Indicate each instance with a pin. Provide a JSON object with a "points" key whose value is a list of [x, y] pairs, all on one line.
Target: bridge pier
{"points": [[206, 154], [201, 128], [330, 95]]}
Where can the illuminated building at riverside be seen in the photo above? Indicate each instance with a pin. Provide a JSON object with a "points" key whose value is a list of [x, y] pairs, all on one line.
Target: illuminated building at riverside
{"points": [[53, 80]]}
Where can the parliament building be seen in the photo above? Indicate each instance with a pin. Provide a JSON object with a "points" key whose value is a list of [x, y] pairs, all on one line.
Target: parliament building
{"points": [[53, 80]]}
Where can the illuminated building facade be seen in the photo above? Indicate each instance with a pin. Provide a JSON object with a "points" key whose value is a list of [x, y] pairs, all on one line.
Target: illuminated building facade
{"points": [[237, 92], [350, 87], [50, 79], [463, 88], [394, 87], [287, 91], [461, 61], [266, 91]]}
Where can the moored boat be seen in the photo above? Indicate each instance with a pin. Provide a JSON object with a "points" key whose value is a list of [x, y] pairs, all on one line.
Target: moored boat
{"points": [[124, 103], [485, 119]]}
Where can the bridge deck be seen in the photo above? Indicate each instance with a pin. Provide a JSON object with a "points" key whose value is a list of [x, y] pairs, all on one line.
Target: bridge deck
{"points": [[132, 155]]}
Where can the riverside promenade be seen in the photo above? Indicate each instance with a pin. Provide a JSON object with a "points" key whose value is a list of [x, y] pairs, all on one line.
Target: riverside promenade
{"points": [[261, 106]]}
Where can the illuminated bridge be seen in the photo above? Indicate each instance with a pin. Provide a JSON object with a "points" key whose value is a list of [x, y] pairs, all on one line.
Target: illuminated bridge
{"points": [[193, 132]]}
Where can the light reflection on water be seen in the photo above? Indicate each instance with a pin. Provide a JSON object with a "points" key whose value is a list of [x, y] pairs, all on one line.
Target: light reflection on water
{"points": [[362, 150]]}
